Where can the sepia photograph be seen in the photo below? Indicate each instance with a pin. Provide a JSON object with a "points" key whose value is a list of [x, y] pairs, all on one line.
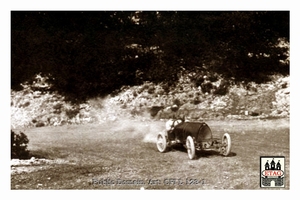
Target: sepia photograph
{"points": [[150, 99]]}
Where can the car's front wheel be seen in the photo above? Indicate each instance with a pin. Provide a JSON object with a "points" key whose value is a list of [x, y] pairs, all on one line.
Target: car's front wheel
{"points": [[190, 145], [161, 143]]}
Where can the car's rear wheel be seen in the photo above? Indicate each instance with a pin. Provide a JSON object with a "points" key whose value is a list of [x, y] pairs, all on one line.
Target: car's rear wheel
{"points": [[161, 143], [190, 145], [226, 143]]}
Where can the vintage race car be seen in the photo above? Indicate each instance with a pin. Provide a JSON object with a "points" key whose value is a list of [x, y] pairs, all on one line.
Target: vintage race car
{"points": [[194, 136]]}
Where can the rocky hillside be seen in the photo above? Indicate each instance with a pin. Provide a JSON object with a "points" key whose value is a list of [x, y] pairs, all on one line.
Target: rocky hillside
{"points": [[251, 101], [35, 106]]}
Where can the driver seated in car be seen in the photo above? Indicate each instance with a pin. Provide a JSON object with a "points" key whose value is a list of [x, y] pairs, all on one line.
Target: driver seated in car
{"points": [[171, 123]]}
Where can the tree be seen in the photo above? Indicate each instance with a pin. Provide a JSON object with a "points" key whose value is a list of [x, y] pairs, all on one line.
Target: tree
{"points": [[87, 54], [239, 45], [83, 52], [248, 44]]}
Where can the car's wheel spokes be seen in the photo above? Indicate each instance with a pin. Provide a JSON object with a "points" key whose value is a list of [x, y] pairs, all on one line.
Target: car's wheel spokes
{"points": [[161, 143], [190, 147], [226, 144]]}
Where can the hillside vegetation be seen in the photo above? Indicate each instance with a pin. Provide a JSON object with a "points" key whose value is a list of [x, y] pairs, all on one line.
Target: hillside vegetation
{"points": [[88, 54], [36, 106], [74, 67]]}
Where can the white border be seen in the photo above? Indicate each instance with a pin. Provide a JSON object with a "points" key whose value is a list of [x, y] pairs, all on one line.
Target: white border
{"points": [[149, 5]]}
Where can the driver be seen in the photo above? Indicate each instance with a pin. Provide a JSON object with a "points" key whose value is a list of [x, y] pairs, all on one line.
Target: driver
{"points": [[171, 123]]}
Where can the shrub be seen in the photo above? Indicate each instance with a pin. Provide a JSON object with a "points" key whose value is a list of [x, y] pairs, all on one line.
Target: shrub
{"points": [[206, 87], [177, 102], [24, 105], [40, 124], [58, 106], [134, 93], [196, 100], [72, 112], [191, 94], [19, 145], [151, 89], [223, 88]]}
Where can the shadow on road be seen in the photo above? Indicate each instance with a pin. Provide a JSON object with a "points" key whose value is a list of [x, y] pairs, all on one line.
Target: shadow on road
{"points": [[199, 154]]}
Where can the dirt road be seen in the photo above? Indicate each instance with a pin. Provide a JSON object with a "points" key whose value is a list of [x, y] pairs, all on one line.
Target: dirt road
{"points": [[122, 154]]}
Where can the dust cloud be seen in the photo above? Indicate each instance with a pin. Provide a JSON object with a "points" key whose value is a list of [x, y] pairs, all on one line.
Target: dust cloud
{"points": [[147, 130], [128, 121]]}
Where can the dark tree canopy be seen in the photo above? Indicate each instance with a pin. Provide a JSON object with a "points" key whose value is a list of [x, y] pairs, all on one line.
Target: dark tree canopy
{"points": [[92, 53]]}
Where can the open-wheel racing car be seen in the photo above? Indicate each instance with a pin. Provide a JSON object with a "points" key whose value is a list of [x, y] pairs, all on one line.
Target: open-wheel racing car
{"points": [[194, 136]]}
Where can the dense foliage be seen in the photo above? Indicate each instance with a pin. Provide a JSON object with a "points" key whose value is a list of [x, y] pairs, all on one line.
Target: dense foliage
{"points": [[19, 142], [87, 54]]}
